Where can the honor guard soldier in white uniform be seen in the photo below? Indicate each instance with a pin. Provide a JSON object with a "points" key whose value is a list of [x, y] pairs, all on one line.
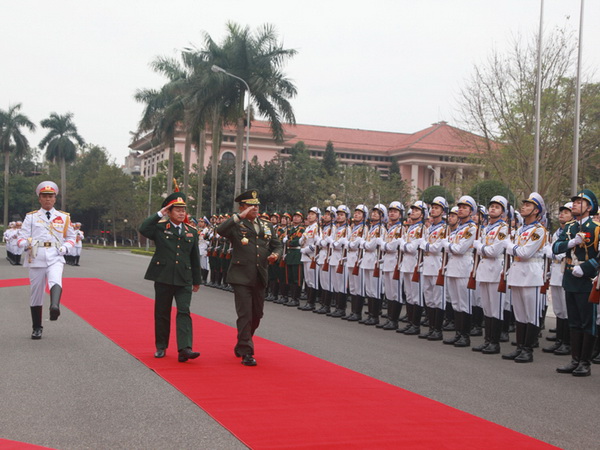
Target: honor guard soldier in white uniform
{"points": [[73, 259], [433, 249], [356, 285], [325, 276], [562, 342], [390, 266], [46, 236], [10, 238], [525, 277], [409, 245], [490, 248], [460, 262], [337, 241], [308, 247], [372, 248]]}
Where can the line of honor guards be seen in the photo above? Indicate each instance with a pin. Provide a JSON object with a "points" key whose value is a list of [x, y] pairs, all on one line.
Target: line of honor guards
{"points": [[472, 269]]}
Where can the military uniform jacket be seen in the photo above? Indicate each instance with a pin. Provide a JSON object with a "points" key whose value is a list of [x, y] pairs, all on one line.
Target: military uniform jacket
{"points": [[410, 247], [355, 241], [308, 242], [292, 256], [491, 256], [584, 255], [390, 249], [323, 245], [460, 254], [527, 268], [249, 260], [79, 238], [338, 240], [432, 258], [556, 266], [46, 235], [372, 246], [202, 241], [176, 260]]}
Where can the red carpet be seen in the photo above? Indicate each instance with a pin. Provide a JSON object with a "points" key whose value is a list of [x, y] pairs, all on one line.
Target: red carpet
{"points": [[291, 399], [5, 444]]}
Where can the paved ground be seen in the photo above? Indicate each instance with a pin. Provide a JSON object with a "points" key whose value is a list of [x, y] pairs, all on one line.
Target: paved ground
{"points": [[75, 389]]}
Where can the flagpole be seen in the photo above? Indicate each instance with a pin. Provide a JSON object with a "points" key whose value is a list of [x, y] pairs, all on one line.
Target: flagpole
{"points": [[538, 98], [575, 173]]}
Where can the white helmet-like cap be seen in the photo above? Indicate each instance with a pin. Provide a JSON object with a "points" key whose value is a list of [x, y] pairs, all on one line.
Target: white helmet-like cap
{"points": [[518, 218], [362, 208], [441, 201], [331, 210], [568, 205], [422, 206], [397, 205], [316, 210], [454, 210], [382, 209], [482, 210], [344, 209], [469, 201], [538, 201], [46, 187], [501, 201]]}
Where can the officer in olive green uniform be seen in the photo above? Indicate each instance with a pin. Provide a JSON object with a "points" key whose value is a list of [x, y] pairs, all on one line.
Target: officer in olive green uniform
{"points": [[254, 244], [175, 270], [579, 239], [295, 273]]}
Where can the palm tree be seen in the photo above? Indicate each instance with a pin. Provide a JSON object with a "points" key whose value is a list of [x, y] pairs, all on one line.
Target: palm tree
{"points": [[12, 140], [60, 147]]}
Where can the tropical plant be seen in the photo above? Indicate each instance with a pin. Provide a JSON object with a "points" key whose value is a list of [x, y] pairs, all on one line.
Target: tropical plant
{"points": [[60, 144], [12, 140]]}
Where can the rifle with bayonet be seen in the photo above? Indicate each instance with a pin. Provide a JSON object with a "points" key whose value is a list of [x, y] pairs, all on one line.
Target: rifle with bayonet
{"points": [[547, 261], [506, 265]]}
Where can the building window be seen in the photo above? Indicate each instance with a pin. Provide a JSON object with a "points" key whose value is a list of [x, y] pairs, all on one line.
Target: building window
{"points": [[228, 158]]}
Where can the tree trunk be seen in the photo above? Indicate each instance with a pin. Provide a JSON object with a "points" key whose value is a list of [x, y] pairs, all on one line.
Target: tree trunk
{"points": [[6, 176], [216, 149], [186, 159], [170, 167], [239, 157], [63, 184], [200, 165]]}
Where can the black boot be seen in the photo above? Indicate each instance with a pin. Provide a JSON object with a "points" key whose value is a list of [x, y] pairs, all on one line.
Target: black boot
{"points": [[558, 339], [310, 300], [576, 346], [438, 322], [565, 348], [458, 316], [18, 260], [494, 345], [387, 305], [36, 318], [283, 294], [357, 307], [520, 331], [531, 337], [431, 322], [394, 309], [271, 292], [369, 310], [587, 347], [476, 319], [342, 303], [374, 310], [55, 293], [294, 296], [596, 351], [487, 334], [325, 303], [415, 321], [465, 327]]}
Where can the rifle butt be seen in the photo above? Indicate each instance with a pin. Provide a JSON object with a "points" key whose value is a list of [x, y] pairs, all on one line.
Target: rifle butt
{"points": [[472, 283]]}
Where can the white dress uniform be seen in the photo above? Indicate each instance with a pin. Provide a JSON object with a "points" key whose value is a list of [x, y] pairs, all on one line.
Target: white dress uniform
{"points": [[557, 292], [308, 246], [203, 242], [432, 247], [79, 236], [42, 235], [324, 277], [460, 263], [356, 285], [392, 288], [371, 254], [490, 268], [409, 246], [338, 241]]}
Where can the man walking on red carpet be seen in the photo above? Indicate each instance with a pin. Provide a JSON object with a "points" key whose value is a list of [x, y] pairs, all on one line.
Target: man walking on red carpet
{"points": [[175, 270], [255, 244]]}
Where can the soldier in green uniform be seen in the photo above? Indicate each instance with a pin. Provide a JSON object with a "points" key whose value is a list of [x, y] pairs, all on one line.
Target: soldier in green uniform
{"points": [[579, 239], [281, 268], [175, 270], [295, 274], [273, 287], [254, 245]]}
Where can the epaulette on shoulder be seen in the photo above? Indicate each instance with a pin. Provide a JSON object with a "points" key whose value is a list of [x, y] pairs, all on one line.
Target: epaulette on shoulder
{"points": [[191, 226], [163, 219], [570, 222]]}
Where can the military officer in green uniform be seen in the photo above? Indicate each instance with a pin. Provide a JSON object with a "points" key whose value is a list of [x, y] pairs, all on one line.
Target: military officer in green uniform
{"points": [[295, 274], [255, 244], [175, 270], [579, 239]]}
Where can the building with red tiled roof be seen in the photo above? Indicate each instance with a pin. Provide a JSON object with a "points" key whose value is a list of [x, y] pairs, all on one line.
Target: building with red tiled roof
{"points": [[436, 155]]}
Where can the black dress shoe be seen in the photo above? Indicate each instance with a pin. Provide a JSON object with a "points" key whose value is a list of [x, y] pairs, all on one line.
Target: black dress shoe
{"points": [[248, 360], [37, 333], [186, 354], [568, 368], [160, 353], [564, 349], [491, 349], [463, 341], [582, 370], [54, 312]]}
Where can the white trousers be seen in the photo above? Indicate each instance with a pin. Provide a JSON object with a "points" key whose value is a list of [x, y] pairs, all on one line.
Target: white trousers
{"points": [[411, 289], [324, 278], [559, 303], [527, 304], [356, 283], [310, 275], [433, 294], [391, 287], [460, 295], [75, 251], [373, 285], [38, 276], [492, 301], [338, 280]]}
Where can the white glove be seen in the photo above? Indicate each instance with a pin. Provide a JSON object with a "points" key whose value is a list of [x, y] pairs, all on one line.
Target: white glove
{"points": [[423, 245], [380, 242], [329, 240], [477, 245], [445, 243], [578, 239], [508, 244], [62, 250], [337, 244], [343, 241], [284, 240], [548, 252], [577, 271], [401, 242]]}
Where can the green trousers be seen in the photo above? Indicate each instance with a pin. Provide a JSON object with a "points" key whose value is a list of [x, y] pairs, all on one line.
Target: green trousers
{"points": [[164, 294]]}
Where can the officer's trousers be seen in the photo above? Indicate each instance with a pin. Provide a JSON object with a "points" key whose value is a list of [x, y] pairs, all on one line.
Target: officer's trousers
{"points": [[582, 314], [391, 287], [433, 295], [249, 306], [338, 280], [559, 302], [460, 295], [527, 304], [164, 294], [411, 289], [38, 276], [492, 301]]}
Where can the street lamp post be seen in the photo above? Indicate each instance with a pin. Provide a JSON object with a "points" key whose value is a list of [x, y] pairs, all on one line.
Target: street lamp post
{"points": [[218, 69]]}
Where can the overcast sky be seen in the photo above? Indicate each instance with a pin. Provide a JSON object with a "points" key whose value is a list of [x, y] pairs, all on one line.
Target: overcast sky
{"points": [[393, 65]]}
